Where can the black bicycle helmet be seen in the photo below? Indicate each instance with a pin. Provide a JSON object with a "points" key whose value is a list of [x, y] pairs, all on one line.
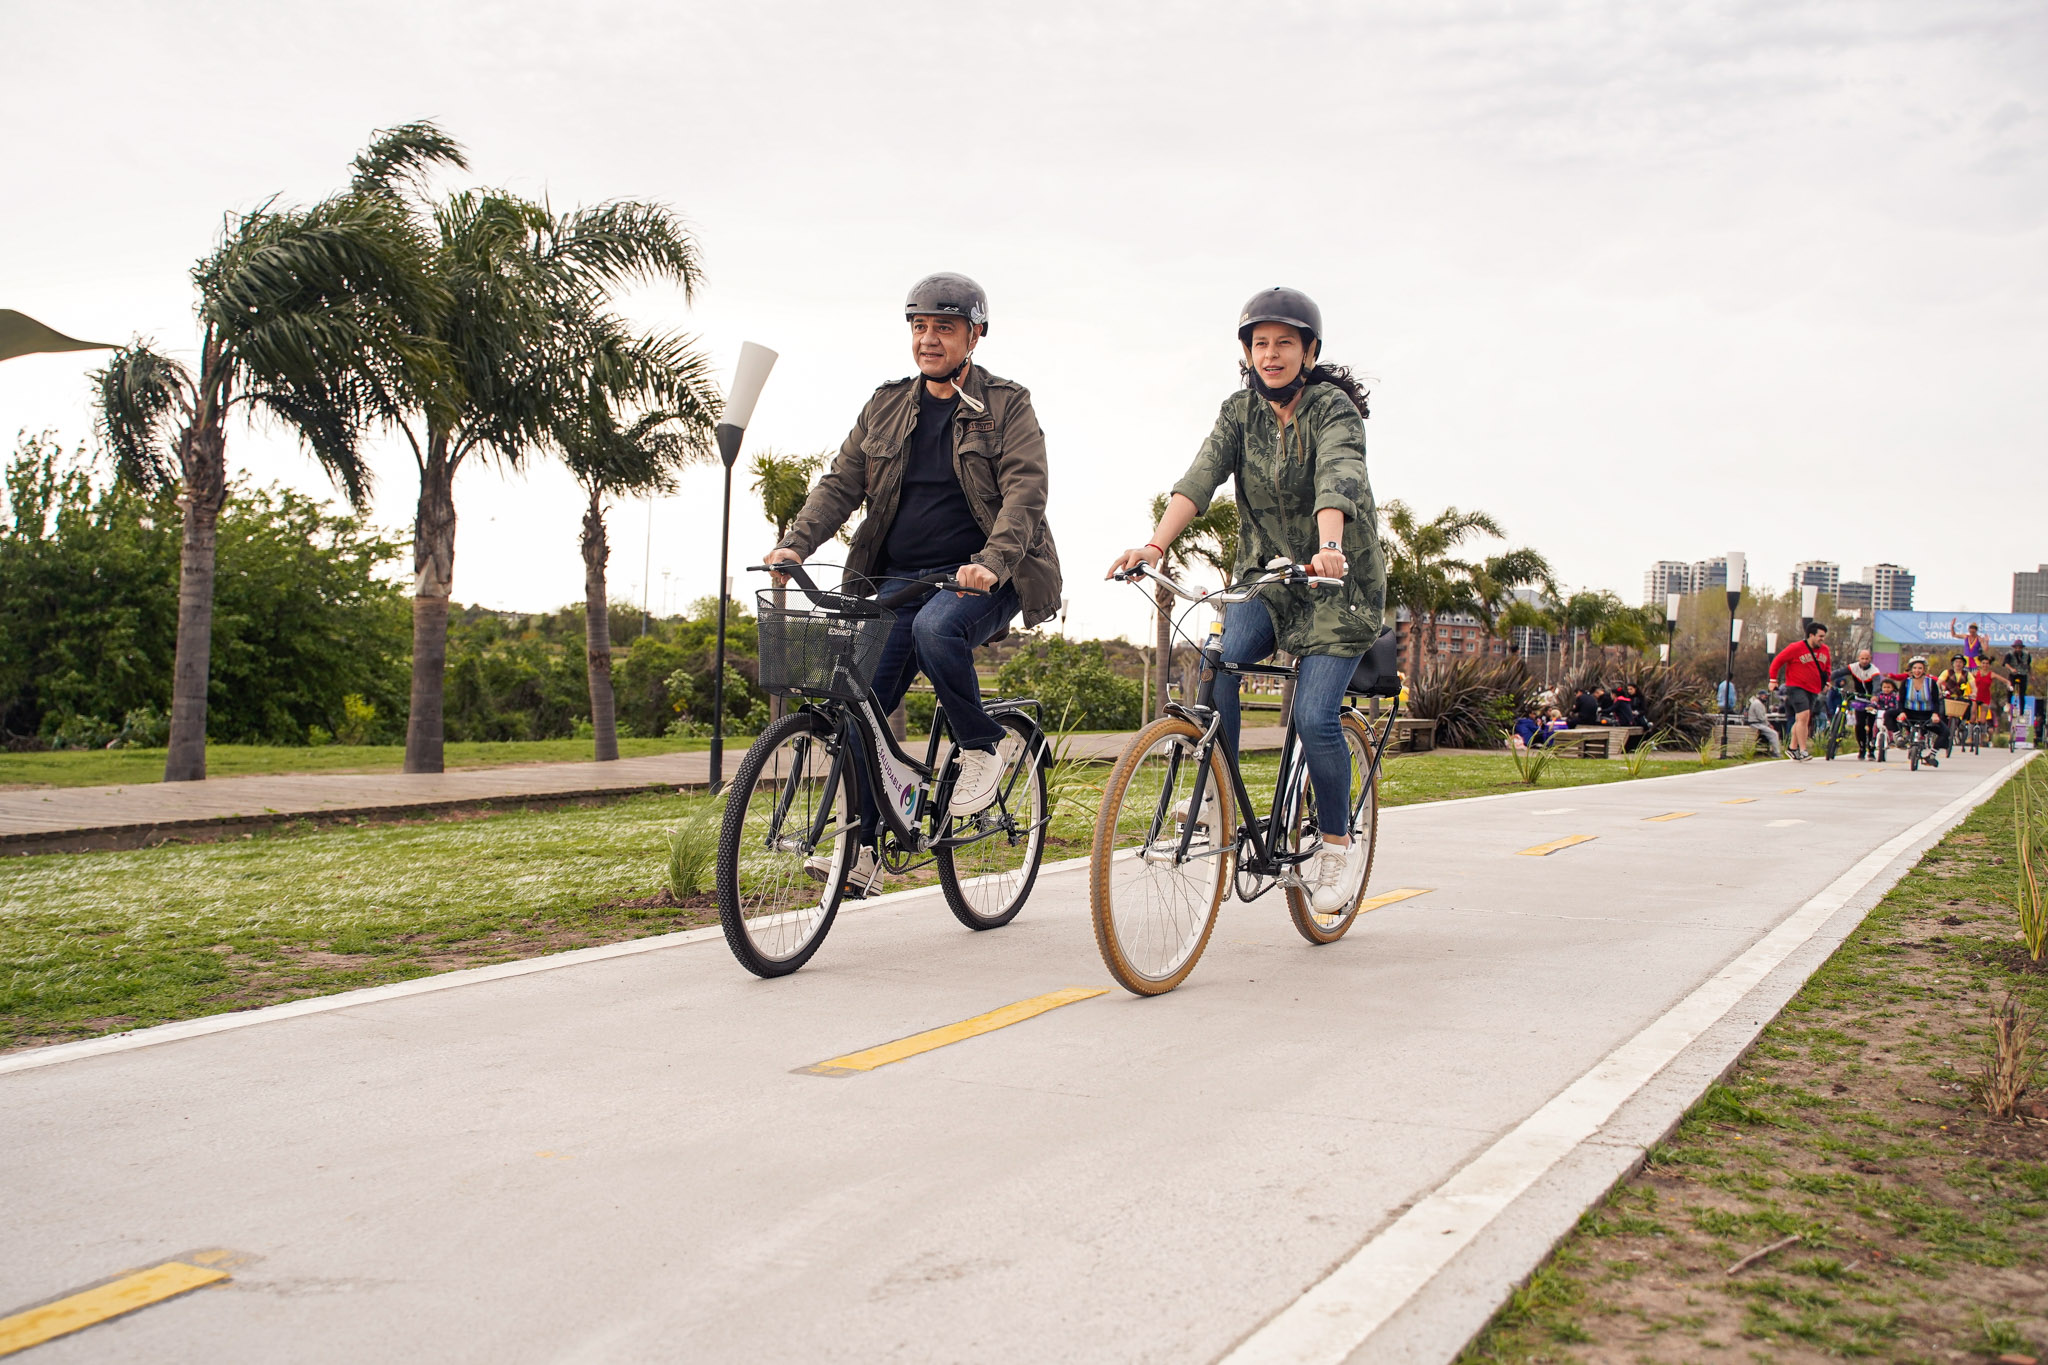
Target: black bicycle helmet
{"points": [[1281, 304], [949, 295]]}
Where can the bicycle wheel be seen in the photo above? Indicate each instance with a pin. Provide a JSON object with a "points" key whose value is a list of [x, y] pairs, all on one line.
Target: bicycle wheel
{"points": [[1153, 914], [784, 794], [1315, 925], [1834, 743], [1913, 754], [987, 881]]}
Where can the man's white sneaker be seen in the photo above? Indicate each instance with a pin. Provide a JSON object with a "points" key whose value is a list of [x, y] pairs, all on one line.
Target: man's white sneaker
{"points": [[1339, 868], [980, 775], [863, 880]]}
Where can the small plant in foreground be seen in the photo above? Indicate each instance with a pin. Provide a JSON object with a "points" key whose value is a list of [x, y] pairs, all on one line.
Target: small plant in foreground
{"points": [[1067, 778], [692, 847], [2010, 1069], [1531, 761], [2031, 841], [1640, 756]]}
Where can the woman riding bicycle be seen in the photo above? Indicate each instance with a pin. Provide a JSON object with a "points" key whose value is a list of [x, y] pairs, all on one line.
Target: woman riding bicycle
{"points": [[1293, 440]]}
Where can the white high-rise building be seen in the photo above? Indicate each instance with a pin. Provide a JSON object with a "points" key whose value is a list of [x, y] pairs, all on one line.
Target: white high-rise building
{"points": [[1817, 573], [1891, 587], [1667, 576]]}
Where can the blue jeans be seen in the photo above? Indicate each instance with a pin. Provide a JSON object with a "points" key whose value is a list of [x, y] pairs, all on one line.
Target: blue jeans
{"points": [[940, 636], [1318, 698]]}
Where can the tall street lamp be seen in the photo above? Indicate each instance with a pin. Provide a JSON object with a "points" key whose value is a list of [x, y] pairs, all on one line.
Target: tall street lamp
{"points": [[1671, 601], [747, 381], [1735, 567], [1809, 603]]}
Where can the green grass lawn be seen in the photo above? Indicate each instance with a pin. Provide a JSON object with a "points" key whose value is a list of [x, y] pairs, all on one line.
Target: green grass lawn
{"points": [[1923, 1222], [116, 767], [93, 942]]}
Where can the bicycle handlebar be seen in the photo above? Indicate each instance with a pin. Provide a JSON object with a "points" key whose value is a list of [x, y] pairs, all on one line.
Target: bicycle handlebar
{"points": [[1279, 571], [908, 591]]}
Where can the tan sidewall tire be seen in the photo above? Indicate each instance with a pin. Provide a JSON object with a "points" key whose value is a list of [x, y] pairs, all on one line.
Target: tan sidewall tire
{"points": [[1099, 862], [1298, 907]]}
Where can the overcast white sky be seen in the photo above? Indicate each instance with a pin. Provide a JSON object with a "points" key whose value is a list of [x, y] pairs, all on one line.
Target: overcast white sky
{"points": [[1644, 281]]}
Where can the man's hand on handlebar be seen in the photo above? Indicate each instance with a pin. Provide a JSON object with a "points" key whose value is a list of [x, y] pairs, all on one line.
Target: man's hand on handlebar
{"points": [[1131, 559], [782, 555], [976, 577]]}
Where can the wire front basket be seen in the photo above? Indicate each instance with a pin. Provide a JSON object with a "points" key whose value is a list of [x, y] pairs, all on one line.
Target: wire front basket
{"points": [[809, 651]]}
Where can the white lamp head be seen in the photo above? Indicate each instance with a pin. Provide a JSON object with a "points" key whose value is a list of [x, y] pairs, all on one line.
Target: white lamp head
{"points": [[1735, 570], [748, 379], [1671, 601], [1809, 601]]}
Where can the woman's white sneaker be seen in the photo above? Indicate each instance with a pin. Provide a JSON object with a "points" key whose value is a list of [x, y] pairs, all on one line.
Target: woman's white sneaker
{"points": [[1339, 869]]}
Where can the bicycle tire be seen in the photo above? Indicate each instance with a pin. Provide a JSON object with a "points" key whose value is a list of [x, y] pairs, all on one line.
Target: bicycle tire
{"points": [[782, 952], [1316, 927], [1913, 755], [1121, 937], [1834, 738], [961, 885]]}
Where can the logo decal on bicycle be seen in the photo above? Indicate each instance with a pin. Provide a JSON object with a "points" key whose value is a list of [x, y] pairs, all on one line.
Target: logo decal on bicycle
{"points": [[908, 798]]}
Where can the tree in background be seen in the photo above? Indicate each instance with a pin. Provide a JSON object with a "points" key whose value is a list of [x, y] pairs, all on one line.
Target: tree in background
{"points": [[783, 482], [517, 282], [303, 314], [1422, 575], [1210, 539], [613, 455]]}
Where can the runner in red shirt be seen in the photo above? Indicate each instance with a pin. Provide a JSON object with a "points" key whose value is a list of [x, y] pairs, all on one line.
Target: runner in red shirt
{"points": [[1804, 666]]}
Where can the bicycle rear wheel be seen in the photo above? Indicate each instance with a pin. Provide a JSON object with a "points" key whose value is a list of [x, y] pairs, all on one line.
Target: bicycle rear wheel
{"points": [[987, 881], [1364, 803], [787, 803], [1153, 913], [1834, 743]]}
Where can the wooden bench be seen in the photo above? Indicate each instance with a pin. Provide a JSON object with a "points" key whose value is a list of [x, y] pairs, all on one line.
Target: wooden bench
{"points": [[1412, 736]]}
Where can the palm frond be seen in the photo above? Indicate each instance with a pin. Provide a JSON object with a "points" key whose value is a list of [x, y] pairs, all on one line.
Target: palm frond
{"points": [[142, 393], [398, 159], [625, 240]]}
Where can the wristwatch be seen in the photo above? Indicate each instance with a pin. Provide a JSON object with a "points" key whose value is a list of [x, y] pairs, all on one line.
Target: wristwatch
{"points": [[1333, 545]]}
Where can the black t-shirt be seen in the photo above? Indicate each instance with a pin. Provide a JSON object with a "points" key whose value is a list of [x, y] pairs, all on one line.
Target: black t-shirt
{"points": [[934, 526], [1586, 709]]}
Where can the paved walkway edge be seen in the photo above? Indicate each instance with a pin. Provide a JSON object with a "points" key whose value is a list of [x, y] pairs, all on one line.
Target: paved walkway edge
{"points": [[1421, 1287]]}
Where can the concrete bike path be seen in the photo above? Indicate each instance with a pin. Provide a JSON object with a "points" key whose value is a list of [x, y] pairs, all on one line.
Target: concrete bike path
{"points": [[625, 1159], [48, 818]]}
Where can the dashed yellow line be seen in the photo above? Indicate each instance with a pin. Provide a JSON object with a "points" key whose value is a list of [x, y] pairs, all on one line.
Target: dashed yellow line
{"points": [[90, 1307], [1791, 791], [1400, 893], [1738, 800], [1545, 850], [931, 1039], [1667, 815], [1829, 783]]}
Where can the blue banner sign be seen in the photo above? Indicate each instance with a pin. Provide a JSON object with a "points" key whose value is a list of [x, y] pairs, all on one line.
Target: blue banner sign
{"points": [[1935, 627]]}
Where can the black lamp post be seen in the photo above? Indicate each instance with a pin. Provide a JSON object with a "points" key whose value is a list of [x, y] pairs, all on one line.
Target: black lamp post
{"points": [[747, 380]]}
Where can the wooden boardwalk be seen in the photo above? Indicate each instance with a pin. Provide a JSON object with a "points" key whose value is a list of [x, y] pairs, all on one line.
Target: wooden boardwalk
{"points": [[55, 819]]}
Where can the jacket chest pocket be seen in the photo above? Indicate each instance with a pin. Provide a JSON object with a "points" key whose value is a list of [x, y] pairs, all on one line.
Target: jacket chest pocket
{"points": [[976, 462]]}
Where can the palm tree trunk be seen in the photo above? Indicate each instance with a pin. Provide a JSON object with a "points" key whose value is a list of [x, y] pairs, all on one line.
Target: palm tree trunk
{"points": [[433, 562], [1162, 646], [597, 632], [205, 471]]}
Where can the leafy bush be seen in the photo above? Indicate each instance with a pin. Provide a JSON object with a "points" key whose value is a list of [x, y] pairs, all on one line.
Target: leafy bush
{"points": [[1474, 701], [1074, 680], [358, 720]]}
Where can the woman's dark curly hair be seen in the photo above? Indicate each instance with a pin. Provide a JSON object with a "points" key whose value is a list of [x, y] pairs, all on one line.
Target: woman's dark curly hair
{"points": [[1339, 375]]}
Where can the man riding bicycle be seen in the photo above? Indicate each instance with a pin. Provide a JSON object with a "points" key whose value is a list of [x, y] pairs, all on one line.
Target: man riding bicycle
{"points": [[1862, 688], [1293, 439], [1921, 703], [950, 464]]}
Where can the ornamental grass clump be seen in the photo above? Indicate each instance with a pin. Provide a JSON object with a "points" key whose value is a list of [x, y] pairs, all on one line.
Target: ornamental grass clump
{"points": [[2009, 1072], [1635, 759], [2031, 841], [1531, 761], [692, 848]]}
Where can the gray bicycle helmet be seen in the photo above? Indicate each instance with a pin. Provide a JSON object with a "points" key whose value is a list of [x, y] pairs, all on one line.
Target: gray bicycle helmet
{"points": [[948, 295], [1281, 304]]}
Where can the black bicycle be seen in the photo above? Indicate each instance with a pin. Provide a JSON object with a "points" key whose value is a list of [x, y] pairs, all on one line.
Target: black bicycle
{"points": [[1177, 827], [787, 849]]}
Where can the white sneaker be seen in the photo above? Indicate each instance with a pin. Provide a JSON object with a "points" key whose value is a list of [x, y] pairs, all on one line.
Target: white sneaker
{"points": [[1339, 869], [1205, 828], [981, 775], [863, 880]]}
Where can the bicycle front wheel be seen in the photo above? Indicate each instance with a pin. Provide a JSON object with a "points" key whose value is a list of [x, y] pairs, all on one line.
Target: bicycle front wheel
{"points": [[786, 846], [1153, 909], [1363, 802], [986, 882]]}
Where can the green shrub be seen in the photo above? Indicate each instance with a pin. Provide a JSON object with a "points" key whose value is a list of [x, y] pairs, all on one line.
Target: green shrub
{"points": [[1074, 680]]}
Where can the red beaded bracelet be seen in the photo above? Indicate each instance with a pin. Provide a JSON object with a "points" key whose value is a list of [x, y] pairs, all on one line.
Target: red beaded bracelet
{"points": [[1161, 548]]}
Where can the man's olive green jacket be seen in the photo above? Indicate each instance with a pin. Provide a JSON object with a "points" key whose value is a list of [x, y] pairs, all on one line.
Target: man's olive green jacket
{"points": [[999, 458], [1281, 485]]}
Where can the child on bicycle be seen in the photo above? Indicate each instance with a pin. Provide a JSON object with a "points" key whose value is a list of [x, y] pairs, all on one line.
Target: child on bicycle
{"points": [[1920, 703], [1293, 439]]}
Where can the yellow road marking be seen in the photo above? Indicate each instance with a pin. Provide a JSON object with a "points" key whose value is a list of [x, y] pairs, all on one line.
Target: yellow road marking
{"points": [[74, 1312], [1545, 850], [1829, 783], [1791, 791], [1738, 800], [1399, 893], [1667, 815], [930, 1039]]}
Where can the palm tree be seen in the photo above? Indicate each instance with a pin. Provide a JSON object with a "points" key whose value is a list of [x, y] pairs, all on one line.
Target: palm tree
{"points": [[1209, 539], [783, 482], [299, 309], [638, 456], [1421, 574], [518, 280]]}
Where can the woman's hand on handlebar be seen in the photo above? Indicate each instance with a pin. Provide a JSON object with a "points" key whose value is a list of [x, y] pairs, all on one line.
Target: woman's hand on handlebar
{"points": [[1328, 564], [1131, 559]]}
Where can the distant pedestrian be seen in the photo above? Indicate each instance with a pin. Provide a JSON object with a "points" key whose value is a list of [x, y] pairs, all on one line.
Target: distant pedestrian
{"points": [[2019, 667], [1758, 718], [1805, 667]]}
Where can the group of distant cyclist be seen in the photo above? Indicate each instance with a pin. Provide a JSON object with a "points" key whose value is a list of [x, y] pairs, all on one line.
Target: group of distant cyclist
{"points": [[1917, 709]]}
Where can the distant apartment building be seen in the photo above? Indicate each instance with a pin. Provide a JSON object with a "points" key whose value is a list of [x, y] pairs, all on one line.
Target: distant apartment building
{"points": [[1817, 573], [1891, 587], [1687, 577], [1456, 633], [1853, 594], [2030, 590]]}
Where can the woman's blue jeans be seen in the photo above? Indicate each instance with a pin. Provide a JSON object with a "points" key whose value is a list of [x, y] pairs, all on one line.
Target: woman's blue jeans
{"points": [[1318, 698]]}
